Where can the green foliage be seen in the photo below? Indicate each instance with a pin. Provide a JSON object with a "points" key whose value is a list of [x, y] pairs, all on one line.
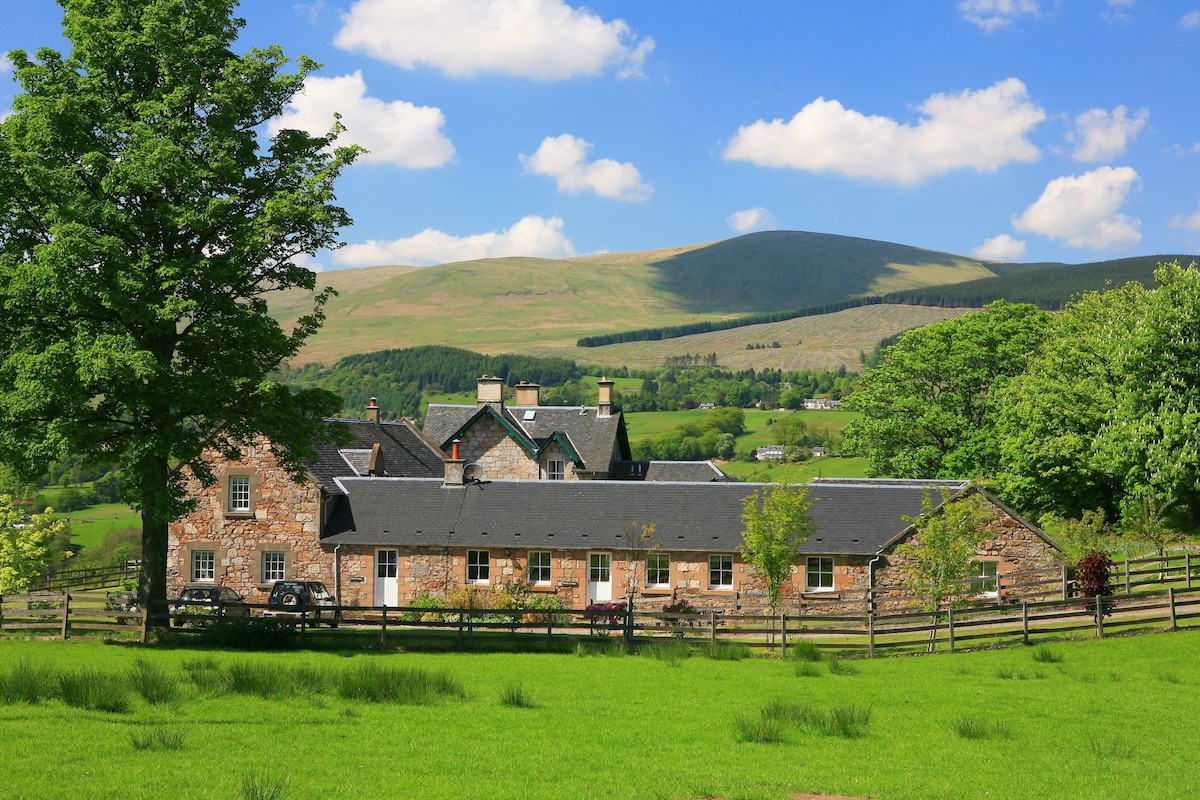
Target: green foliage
{"points": [[840, 666], [945, 541], [804, 650], [144, 229], [28, 683], [250, 633], [376, 684], [707, 438], [1080, 536], [263, 785], [158, 737], [27, 546], [775, 524], [970, 726], [514, 696], [1046, 655], [155, 685], [928, 410], [94, 690]]}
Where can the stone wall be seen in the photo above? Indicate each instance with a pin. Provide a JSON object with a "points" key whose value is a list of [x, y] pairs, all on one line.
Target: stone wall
{"points": [[489, 444], [284, 517]]}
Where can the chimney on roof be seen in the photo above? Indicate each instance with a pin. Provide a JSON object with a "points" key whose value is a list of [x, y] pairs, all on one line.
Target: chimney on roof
{"points": [[373, 411], [529, 394], [490, 392], [606, 398], [375, 466], [455, 465]]}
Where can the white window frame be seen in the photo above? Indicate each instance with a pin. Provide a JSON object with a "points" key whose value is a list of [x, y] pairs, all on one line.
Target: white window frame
{"points": [[985, 578], [537, 569], [556, 469], [721, 567], [818, 571], [204, 566], [274, 565], [479, 567], [661, 564], [239, 493]]}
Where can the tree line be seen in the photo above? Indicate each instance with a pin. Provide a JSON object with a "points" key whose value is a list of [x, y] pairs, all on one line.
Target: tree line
{"points": [[1085, 420]]}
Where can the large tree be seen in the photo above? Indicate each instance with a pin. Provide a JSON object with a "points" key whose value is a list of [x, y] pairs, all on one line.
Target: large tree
{"points": [[144, 218], [928, 409]]}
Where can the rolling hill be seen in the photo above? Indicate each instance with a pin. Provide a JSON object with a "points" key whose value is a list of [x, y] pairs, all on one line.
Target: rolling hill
{"points": [[522, 304]]}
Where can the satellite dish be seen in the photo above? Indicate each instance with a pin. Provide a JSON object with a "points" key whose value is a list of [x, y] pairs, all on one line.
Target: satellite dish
{"points": [[472, 473]]}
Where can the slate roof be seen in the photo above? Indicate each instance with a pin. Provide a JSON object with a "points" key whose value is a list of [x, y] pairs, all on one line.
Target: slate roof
{"points": [[693, 471], [592, 437], [406, 453], [853, 518]]}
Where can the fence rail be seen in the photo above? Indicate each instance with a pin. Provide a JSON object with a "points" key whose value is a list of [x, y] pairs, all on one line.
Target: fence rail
{"points": [[65, 614], [66, 580]]}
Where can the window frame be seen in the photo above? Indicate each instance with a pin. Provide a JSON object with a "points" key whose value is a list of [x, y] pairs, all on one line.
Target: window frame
{"points": [[820, 573], [658, 570], [556, 469], [721, 570], [197, 571], [984, 573], [535, 570], [238, 501], [267, 568], [479, 572]]}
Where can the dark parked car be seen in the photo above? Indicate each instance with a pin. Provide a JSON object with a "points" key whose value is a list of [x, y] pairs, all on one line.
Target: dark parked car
{"points": [[197, 604], [308, 598]]}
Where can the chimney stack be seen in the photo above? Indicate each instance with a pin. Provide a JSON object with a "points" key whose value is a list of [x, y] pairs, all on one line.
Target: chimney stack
{"points": [[455, 465], [490, 392], [373, 411], [529, 394], [375, 466], [606, 398]]}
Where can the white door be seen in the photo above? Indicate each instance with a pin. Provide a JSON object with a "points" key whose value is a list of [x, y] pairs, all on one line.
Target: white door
{"points": [[387, 584], [599, 586]]}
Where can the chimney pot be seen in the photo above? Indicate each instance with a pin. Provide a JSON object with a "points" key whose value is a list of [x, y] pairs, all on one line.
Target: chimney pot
{"points": [[373, 411]]}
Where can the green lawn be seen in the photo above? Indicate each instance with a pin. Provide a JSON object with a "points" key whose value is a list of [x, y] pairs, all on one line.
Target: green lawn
{"points": [[774, 472], [90, 525], [1112, 718]]}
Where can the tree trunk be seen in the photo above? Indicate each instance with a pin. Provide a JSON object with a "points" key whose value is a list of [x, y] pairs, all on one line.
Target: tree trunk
{"points": [[152, 584]]}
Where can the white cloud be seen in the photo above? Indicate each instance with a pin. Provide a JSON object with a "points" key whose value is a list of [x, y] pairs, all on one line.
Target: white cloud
{"points": [[5, 66], [751, 219], [1084, 210], [1000, 248], [992, 15], [1186, 222], [1118, 12], [1101, 135], [1190, 19], [397, 133], [981, 130], [564, 158], [540, 39], [530, 236]]}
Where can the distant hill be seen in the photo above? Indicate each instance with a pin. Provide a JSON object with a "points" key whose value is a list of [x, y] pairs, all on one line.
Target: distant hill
{"points": [[544, 306]]}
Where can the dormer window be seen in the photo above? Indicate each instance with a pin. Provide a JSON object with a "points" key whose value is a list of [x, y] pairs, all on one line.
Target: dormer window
{"points": [[556, 469]]}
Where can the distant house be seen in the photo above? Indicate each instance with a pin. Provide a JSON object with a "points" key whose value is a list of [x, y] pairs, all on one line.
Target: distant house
{"points": [[821, 404], [818, 451], [769, 452]]}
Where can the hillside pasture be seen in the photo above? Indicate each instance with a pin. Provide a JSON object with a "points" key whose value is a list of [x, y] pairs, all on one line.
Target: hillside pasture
{"points": [[1094, 718]]}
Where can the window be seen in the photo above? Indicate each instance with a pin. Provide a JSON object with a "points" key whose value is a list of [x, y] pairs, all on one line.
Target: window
{"points": [[478, 567], [556, 469], [539, 567], [983, 577], [273, 566], [204, 565], [239, 492], [658, 569], [818, 575], [599, 567], [720, 572]]}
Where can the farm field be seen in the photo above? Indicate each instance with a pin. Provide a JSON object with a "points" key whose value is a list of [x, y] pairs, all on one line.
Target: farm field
{"points": [[1092, 718]]}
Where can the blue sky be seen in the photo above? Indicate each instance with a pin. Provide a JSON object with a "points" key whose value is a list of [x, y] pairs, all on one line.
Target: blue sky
{"points": [[1019, 130]]}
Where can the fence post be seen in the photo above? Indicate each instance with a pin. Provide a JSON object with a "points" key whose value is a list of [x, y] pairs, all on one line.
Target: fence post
{"points": [[950, 626], [870, 633], [1099, 617], [145, 623], [1064, 582], [1025, 622], [712, 627], [549, 632], [1187, 567], [383, 630], [1171, 600], [628, 626], [783, 635], [1126, 577], [66, 612]]}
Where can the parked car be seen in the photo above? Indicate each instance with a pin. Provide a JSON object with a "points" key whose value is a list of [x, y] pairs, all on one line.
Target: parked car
{"points": [[198, 603], [308, 598]]}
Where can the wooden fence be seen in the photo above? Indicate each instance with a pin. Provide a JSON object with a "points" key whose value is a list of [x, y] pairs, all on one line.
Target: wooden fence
{"points": [[64, 614], [66, 580]]}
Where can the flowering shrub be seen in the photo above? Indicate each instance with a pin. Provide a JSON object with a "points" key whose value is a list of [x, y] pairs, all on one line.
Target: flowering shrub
{"points": [[681, 606], [613, 610]]}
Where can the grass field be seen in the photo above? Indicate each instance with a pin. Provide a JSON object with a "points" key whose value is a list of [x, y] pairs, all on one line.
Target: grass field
{"points": [[90, 525], [1096, 718]]}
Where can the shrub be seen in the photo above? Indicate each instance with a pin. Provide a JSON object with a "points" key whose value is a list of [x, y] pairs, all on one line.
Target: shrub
{"points": [[547, 602], [153, 683], [680, 606], [515, 696], [161, 737], [94, 690], [1094, 574], [804, 650], [26, 683], [425, 600], [377, 684], [250, 633], [596, 613]]}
